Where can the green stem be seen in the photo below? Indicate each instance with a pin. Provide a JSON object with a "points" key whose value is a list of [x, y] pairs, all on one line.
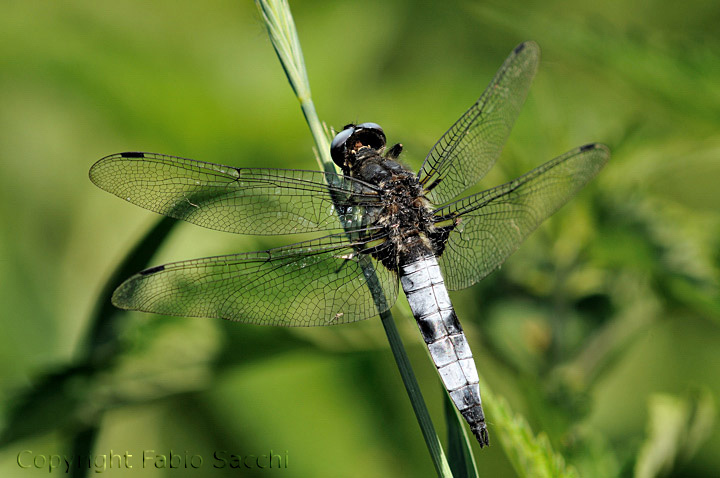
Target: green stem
{"points": [[416, 399], [283, 35], [321, 141]]}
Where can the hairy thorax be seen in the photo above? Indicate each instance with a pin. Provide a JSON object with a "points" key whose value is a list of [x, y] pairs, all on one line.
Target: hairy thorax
{"points": [[405, 217]]}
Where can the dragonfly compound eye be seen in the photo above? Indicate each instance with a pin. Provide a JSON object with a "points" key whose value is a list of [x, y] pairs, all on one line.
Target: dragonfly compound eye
{"points": [[370, 126], [337, 147], [370, 134]]}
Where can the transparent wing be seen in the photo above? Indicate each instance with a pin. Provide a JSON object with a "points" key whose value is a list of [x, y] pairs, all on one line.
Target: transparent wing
{"points": [[469, 149], [320, 282], [239, 200], [482, 230]]}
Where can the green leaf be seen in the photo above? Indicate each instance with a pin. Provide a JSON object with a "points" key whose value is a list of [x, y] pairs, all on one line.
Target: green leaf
{"points": [[101, 339], [53, 402], [676, 428], [60, 398], [460, 457], [530, 455]]}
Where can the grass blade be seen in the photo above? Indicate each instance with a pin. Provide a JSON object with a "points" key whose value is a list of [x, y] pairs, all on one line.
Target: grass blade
{"points": [[462, 461], [283, 35]]}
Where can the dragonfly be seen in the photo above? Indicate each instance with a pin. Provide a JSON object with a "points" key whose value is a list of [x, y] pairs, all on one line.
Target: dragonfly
{"points": [[384, 226]]}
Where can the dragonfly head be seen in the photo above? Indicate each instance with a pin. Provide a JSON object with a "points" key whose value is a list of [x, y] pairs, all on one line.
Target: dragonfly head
{"points": [[351, 139]]}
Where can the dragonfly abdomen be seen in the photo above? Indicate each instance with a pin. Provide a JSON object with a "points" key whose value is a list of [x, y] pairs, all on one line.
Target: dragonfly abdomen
{"points": [[429, 301]]}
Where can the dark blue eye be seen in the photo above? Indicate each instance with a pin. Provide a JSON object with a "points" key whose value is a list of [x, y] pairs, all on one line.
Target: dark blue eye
{"points": [[370, 134], [370, 126], [341, 137], [337, 147]]}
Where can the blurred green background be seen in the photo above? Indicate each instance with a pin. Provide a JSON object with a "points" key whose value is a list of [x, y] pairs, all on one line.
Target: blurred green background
{"points": [[612, 302]]}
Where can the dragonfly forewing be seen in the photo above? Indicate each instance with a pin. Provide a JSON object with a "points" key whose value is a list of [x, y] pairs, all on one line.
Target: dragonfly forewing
{"points": [[487, 227], [238, 200], [469, 149]]}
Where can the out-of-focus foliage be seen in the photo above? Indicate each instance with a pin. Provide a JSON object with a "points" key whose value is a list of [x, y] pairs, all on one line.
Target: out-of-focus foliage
{"points": [[676, 428], [599, 331], [530, 455]]}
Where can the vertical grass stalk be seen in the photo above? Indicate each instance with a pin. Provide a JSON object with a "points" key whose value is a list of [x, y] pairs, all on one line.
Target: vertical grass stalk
{"points": [[283, 36]]}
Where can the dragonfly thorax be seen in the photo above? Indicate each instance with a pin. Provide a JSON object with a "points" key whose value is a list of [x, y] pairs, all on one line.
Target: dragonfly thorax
{"points": [[405, 217]]}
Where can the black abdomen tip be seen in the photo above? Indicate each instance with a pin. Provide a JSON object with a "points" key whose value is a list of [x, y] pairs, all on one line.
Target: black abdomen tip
{"points": [[481, 434]]}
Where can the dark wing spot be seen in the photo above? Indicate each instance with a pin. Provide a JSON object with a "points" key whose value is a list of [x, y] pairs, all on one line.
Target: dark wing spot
{"points": [[588, 147], [132, 155], [519, 48], [434, 184], [152, 270]]}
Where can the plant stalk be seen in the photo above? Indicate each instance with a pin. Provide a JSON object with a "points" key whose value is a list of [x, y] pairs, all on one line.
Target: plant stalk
{"points": [[283, 35]]}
